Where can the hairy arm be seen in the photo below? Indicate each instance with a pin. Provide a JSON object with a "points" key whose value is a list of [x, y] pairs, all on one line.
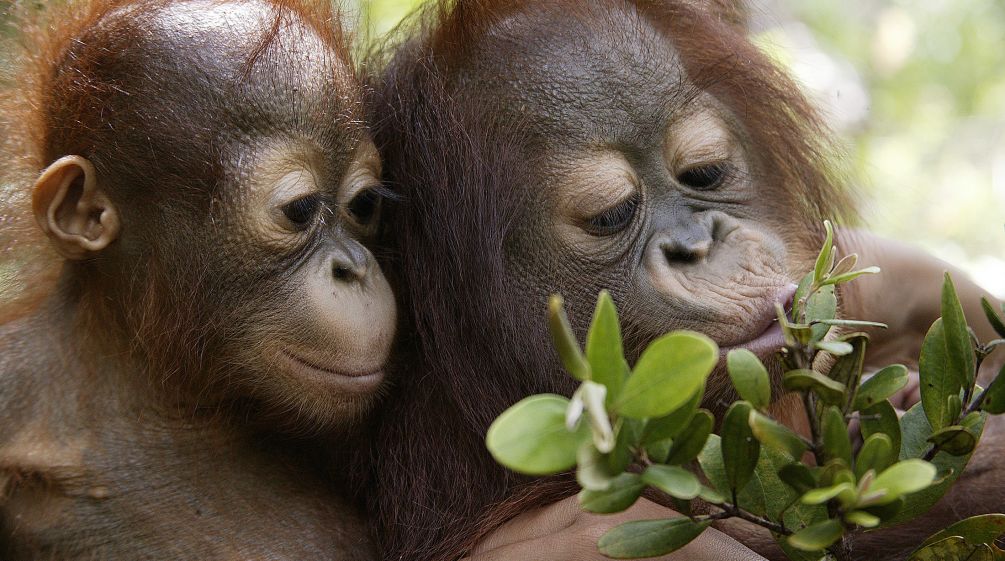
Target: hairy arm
{"points": [[564, 532], [906, 296]]}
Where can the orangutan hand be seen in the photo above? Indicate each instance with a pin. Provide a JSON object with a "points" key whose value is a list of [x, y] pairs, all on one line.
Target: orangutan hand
{"points": [[564, 532]]}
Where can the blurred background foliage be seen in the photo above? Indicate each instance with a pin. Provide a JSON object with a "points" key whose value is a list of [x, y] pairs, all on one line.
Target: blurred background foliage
{"points": [[915, 88]]}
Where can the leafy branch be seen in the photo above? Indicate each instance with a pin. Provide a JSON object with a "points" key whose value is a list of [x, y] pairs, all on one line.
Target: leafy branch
{"points": [[758, 469]]}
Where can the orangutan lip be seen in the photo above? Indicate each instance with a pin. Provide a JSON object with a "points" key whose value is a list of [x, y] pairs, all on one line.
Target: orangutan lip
{"points": [[357, 375], [771, 338]]}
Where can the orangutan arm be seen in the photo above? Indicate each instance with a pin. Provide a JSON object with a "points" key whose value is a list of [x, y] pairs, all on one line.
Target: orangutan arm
{"points": [[906, 296], [564, 532]]}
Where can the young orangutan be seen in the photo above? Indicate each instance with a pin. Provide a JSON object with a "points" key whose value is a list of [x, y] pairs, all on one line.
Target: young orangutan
{"points": [[645, 148], [205, 171]]}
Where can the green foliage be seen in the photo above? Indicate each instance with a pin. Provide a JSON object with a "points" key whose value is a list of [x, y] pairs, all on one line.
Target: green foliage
{"points": [[649, 416], [603, 348], [531, 437], [650, 538], [669, 372], [739, 447], [880, 386], [974, 531], [750, 377]]}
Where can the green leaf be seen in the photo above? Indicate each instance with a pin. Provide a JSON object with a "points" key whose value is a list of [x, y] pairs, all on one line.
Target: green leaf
{"points": [[845, 264], [938, 381], [649, 538], [565, 340], [876, 454], [739, 447], [673, 480], [776, 436], [629, 435], [530, 437], [829, 391], [794, 554], [824, 258], [658, 451], [692, 440], [851, 323], [667, 375], [799, 298], [954, 440], [817, 536], [750, 377], [594, 470], [880, 386], [882, 419], [624, 490], [916, 431], [994, 400], [839, 279], [952, 548], [834, 432], [797, 476], [902, 478], [820, 496], [751, 496], [604, 348], [891, 511], [764, 494], [669, 426], [834, 472], [959, 347], [862, 518], [821, 305], [836, 348], [983, 528], [993, 318], [711, 496], [847, 369]]}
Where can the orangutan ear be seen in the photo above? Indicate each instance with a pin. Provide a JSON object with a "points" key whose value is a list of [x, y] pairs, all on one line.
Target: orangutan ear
{"points": [[73, 210]]}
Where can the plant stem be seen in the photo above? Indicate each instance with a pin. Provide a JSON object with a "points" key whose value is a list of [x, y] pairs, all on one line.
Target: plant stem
{"points": [[809, 403], [968, 393], [730, 510], [976, 404], [842, 549]]}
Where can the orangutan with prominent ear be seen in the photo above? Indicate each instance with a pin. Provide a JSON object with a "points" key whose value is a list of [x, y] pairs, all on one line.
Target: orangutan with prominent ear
{"points": [[646, 148], [204, 170]]}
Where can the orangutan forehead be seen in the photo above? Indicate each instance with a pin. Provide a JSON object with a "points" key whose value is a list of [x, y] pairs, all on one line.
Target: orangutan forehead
{"points": [[238, 34], [266, 68], [598, 67]]}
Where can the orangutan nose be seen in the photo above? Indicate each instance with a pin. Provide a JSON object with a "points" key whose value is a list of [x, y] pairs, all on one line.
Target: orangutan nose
{"points": [[685, 251], [350, 262]]}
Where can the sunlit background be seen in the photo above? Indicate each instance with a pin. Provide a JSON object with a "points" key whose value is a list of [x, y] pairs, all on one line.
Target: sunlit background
{"points": [[917, 90]]}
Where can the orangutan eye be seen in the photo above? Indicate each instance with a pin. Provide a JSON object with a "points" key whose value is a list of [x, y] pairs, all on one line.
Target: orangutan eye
{"points": [[614, 219], [302, 211], [365, 206], [704, 177]]}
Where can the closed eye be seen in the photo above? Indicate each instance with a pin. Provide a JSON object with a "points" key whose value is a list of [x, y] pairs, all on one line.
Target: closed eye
{"points": [[301, 212], [614, 219], [704, 177]]}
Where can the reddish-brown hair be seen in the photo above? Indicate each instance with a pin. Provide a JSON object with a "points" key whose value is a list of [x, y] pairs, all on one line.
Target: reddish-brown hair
{"points": [[469, 351], [47, 112]]}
